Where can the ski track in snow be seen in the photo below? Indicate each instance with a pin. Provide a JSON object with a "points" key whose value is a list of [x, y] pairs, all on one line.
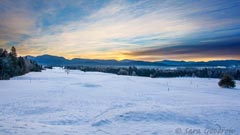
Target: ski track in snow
{"points": [[90, 103]]}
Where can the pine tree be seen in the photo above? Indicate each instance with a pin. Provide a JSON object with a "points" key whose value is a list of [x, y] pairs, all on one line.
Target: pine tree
{"points": [[13, 51]]}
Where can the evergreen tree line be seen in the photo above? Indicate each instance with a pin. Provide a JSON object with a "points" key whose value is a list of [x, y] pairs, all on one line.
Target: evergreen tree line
{"points": [[11, 65], [158, 72]]}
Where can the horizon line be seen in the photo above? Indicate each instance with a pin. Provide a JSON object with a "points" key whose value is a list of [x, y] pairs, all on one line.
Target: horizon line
{"points": [[182, 60]]}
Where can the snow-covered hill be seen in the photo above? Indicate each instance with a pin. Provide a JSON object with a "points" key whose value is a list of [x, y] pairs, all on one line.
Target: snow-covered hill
{"points": [[56, 103]]}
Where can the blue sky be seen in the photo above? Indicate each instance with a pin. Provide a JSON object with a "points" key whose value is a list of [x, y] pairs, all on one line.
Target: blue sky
{"points": [[123, 29]]}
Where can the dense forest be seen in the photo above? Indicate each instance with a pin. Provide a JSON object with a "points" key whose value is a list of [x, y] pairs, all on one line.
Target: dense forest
{"points": [[158, 72], [11, 65]]}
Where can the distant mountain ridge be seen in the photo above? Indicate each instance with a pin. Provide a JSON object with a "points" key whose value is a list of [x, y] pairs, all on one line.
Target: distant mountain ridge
{"points": [[51, 60]]}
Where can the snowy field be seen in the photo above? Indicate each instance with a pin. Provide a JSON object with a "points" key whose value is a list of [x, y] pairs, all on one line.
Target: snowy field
{"points": [[54, 103]]}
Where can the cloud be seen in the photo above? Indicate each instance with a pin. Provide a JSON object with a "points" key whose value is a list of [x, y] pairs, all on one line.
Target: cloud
{"points": [[101, 28], [206, 50], [116, 29], [16, 24]]}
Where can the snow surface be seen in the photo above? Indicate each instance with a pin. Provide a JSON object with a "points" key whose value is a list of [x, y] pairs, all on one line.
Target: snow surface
{"points": [[53, 102]]}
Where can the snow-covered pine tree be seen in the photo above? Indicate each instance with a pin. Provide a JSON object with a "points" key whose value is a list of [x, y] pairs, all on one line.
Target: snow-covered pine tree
{"points": [[13, 51]]}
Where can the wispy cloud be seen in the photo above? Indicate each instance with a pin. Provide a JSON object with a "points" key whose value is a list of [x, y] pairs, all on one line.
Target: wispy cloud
{"points": [[15, 22], [205, 51], [116, 29]]}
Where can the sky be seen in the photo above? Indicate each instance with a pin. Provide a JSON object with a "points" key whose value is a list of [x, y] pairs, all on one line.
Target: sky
{"points": [[150, 30]]}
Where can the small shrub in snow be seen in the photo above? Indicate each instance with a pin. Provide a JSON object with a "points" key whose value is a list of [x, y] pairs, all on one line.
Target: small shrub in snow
{"points": [[67, 71], [227, 82]]}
